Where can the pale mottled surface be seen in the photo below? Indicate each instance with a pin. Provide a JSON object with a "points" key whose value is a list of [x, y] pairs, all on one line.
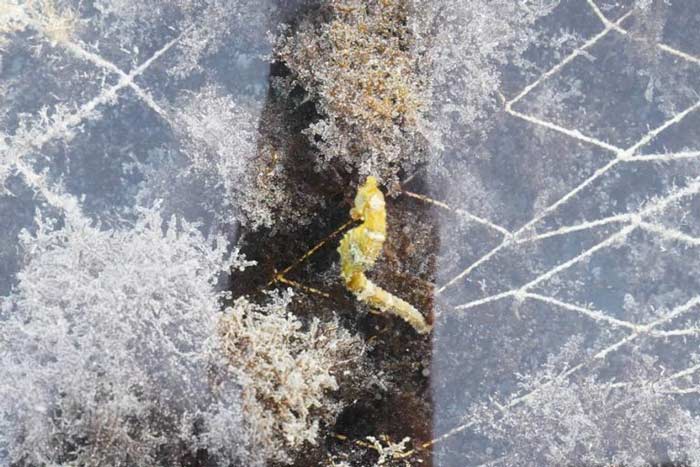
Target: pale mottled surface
{"points": [[564, 150]]}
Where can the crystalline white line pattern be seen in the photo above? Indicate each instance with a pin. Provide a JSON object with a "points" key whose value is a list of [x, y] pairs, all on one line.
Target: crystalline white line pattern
{"points": [[643, 219]]}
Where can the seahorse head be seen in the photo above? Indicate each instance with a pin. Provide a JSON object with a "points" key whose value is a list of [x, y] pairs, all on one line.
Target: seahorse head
{"points": [[369, 199]]}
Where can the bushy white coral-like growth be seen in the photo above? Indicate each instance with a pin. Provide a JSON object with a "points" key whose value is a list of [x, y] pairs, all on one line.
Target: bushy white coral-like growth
{"points": [[585, 420], [221, 138], [389, 82], [357, 61], [210, 24], [288, 371], [54, 18], [465, 44], [106, 352], [112, 354]]}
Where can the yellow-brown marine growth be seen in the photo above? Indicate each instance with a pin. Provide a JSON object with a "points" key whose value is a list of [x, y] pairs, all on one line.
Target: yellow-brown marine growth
{"points": [[359, 61], [359, 250]]}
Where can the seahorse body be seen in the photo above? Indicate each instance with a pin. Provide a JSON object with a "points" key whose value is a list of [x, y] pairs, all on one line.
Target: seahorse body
{"points": [[359, 250]]}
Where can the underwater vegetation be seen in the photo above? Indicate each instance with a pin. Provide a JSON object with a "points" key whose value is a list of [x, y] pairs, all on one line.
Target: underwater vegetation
{"points": [[515, 284]]}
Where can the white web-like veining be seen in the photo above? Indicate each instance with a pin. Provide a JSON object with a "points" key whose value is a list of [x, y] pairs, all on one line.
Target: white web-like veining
{"points": [[14, 155], [60, 128], [645, 218]]}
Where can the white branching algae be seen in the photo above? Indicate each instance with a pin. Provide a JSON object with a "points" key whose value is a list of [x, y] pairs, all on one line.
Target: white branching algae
{"points": [[359, 250]]}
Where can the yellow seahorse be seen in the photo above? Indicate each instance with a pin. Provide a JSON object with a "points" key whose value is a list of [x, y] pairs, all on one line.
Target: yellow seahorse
{"points": [[359, 250]]}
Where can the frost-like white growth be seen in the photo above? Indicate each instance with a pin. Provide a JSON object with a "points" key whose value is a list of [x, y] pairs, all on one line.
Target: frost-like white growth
{"points": [[357, 61], [466, 43], [222, 140], [288, 371], [395, 80], [170, 179], [609, 253], [54, 18], [584, 420], [544, 232], [134, 25], [10, 21], [389, 452], [106, 348]]}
